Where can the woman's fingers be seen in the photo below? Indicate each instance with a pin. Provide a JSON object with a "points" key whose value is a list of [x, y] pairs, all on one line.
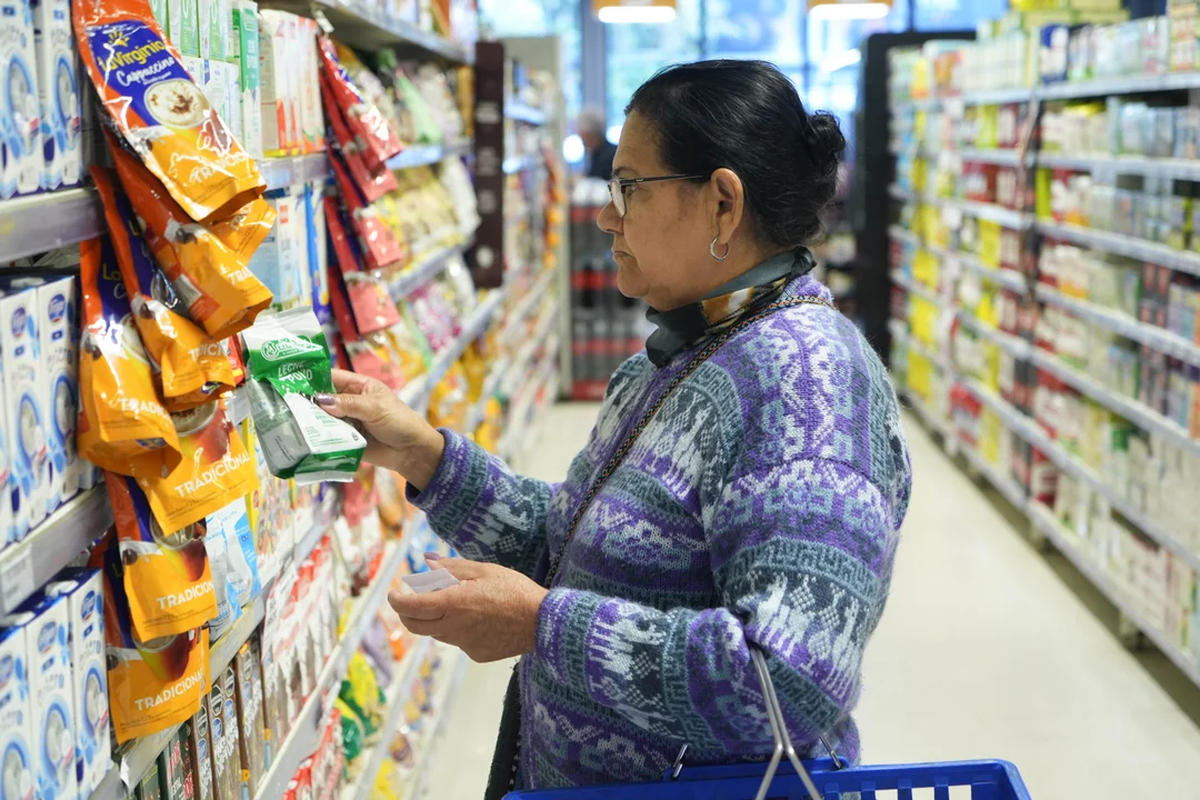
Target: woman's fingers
{"points": [[347, 382], [356, 406]]}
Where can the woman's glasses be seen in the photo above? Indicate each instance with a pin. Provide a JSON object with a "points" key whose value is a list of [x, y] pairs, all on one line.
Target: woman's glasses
{"points": [[616, 188]]}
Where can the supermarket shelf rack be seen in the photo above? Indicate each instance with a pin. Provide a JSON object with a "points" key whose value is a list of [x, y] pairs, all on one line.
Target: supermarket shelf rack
{"points": [[60, 539], [1071, 90], [305, 733], [453, 668], [368, 26], [416, 394], [423, 271]]}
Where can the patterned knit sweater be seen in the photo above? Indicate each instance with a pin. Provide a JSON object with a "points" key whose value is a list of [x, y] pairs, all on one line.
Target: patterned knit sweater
{"points": [[762, 504]]}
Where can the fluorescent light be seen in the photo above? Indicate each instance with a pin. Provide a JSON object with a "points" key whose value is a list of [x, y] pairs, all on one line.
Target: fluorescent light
{"points": [[573, 150], [844, 59], [623, 15], [849, 10]]}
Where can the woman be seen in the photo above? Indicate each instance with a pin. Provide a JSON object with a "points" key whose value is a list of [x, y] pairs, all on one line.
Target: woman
{"points": [[760, 505]]}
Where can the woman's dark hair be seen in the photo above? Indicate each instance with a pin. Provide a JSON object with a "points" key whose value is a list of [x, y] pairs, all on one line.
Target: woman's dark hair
{"points": [[747, 116]]}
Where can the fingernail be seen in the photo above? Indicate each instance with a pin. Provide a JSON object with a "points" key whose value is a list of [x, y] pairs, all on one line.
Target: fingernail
{"points": [[432, 557], [326, 400]]}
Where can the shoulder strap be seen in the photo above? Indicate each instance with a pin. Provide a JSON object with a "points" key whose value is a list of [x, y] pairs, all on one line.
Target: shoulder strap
{"points": [[627, 443]]}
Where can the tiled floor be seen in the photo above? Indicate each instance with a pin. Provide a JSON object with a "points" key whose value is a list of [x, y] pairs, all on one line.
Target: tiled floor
{"points": [[983, 652]]}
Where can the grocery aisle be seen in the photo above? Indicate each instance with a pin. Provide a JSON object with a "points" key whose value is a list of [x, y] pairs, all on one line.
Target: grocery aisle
{"points": [[983, 651]]}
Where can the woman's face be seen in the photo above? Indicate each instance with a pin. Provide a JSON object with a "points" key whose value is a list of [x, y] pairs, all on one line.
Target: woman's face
{"points": [[661, 245]]}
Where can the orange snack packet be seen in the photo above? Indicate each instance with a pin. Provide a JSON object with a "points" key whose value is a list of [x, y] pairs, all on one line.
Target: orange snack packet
{"points": [[214, 471], [160, 112], [122, 424], [220, 292], [192, 368], [168, 580]]}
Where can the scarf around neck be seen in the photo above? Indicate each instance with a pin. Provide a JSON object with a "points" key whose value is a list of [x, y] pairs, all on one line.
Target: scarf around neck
{"points": [[745, 295]]}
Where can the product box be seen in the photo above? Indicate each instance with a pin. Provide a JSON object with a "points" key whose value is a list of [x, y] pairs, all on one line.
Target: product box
{"points": [[276, 73], [58, 325], [174, 28], [24, 385], [83, 592], [47, 623], [151, 786], [170, 771], [251, 729], [61, 122], [213, 86], [17, 730], [200, 740], [244, 41], [278, 662], [204, 29], [187, 760], [226, 767], [20, 113], [312, 121], [276, 261], [162, 15], [233, 100], [187, 36]]}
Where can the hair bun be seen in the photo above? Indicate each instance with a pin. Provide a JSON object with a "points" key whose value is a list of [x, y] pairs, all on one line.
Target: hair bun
{"points": [[825, 136]]}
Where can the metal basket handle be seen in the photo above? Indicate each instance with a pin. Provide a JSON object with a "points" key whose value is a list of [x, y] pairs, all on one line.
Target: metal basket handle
{"points": [[779, 732]]}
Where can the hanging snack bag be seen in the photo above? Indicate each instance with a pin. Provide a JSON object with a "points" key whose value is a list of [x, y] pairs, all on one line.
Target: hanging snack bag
{"points": [[378, 142], [154, 685], [368, 355], [289, 360], [160, 112], [373, 184], [192, 368], [380, 248], [122, 424], [167, 577], [215, 469], [211, 278]]}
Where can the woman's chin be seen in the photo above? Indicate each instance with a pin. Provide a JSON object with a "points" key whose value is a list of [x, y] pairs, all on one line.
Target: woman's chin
{"points": [[629, 284]]}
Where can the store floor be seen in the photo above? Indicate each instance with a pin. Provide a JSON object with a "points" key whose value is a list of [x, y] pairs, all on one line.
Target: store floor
{"points": [[983, 652]]}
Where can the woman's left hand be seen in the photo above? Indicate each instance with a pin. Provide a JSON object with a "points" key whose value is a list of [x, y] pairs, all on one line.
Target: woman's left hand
{"points": [[492, 614]]}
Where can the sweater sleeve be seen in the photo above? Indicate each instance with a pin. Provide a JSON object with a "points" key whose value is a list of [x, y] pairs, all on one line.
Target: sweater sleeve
{"points": [[793, 549], [486, 512]]}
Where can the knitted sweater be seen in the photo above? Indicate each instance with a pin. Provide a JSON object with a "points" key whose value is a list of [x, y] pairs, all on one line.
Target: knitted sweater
{"points": [[762, 504]]}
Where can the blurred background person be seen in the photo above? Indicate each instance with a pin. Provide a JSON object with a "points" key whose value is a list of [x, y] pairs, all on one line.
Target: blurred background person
{"points": [[600, 151]]}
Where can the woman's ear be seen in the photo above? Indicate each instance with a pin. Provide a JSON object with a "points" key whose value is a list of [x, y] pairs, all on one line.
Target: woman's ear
{"points": [[730, 197]]}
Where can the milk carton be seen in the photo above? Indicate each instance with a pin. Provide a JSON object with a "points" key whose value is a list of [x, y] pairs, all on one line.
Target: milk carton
{"points": [[20, 107], [82, 590], [277, 102], [58, 326], [24, 386], [6, 442], [244, 41], [16, 717], [61, 114], [47, 624]]}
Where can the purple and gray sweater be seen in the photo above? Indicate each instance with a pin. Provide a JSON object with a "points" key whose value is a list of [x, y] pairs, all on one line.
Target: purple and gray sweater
{"points": [[762, 504]]}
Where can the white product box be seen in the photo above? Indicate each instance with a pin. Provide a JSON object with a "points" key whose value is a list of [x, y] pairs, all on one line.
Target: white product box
{"points": [[246, 54], [58, 325], [175, 24], [275, 261], [233, 100], [20, 111], [276, 78], [204, 20], [61, 115], [312, 122], [82, 590], [299, 257], [17, 748], [24, 386], [46, 622]]}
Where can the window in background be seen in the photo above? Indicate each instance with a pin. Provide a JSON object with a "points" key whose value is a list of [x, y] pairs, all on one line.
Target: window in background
{"points": [[762, 29], [954, 15], [635, 52]]}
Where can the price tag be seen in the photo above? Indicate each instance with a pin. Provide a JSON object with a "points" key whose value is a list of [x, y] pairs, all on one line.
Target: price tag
{"points": [[16, 579]]}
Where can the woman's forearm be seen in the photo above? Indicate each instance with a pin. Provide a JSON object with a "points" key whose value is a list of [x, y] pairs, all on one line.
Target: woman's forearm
{"points": [[419, 462]]}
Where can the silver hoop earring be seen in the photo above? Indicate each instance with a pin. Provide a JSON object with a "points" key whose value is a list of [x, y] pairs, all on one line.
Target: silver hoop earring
{"points": [[712, 250]]}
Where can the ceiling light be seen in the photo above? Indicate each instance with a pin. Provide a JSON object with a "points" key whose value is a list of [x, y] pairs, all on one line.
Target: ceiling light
{"points": [[848, 11], [625, 15], [844, 59]]}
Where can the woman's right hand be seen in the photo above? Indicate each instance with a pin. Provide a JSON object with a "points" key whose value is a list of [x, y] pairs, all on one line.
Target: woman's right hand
{"points": [[398, 438]]}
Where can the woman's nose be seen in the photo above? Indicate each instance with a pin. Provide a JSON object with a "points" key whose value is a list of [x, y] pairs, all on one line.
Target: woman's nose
{"points": [[609, 220]]}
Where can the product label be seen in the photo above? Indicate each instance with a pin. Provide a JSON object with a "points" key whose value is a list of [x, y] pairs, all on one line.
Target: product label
{"points": [[156, 688]]}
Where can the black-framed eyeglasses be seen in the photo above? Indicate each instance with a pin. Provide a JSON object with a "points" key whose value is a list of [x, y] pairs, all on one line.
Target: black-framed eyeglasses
{"points": [[616, 188]]}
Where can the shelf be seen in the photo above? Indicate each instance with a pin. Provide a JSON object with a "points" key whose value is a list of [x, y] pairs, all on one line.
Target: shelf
{"points": [[519, 410], [39, 222], [516, 164], [530, 303], [453, 668], [523, 112], [999, 156], [904, 235], [1006, 278], [423, 155], [416, 394], [305, 732], [422, 272], [369, 27], [1121, 245], [280, 173], [1015, 346], [939, 424], [397, 694], [29, 564], [1102, 87], [985, 211], [997, 97], [1187, 169], [1162, 340], [1001, 482], [1046, 522], [912, 287], [1136, 412]]}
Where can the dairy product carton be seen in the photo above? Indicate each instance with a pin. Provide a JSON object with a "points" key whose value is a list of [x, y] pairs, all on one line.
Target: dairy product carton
{"points": [[47, 623], [24, 385], [58, 325], [244, 41], [20, 111], [61, 121], [83, 592], [276, 98], [6, 444], [16, 716]]}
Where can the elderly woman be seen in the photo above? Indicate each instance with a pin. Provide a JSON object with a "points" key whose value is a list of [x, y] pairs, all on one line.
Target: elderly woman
{"points": [[744, 484]]}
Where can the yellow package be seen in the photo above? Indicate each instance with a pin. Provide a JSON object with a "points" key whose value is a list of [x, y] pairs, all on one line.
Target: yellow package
{"points": [[448, 400], [215, 470], [244, 230], [219, 291], [122, 424], [192, 368], [168, 580]]}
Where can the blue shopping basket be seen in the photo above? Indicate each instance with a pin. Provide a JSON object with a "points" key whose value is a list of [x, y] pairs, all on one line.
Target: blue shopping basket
{"points": [[819, 779]]}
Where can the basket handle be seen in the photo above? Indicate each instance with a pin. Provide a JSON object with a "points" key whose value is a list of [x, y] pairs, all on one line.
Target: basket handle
{"points": [[783, 741]]}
